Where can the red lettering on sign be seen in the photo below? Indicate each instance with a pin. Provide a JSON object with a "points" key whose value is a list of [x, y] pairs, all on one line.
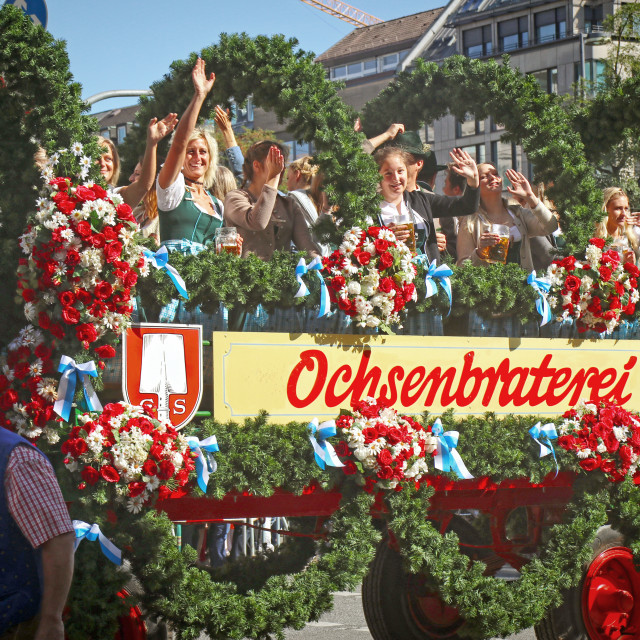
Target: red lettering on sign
{"points": [[540, 384]]}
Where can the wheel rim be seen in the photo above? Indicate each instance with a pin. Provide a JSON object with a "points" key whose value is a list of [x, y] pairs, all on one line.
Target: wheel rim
{"points": [[611, 596], [429, 612]]}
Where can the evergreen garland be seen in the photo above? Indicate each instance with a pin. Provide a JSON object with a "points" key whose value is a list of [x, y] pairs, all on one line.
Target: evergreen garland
{"points": [[265, 595]]}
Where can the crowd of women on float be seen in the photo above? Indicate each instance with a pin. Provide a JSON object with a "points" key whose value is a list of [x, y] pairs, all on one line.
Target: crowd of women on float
{"points": [[194, 200]]}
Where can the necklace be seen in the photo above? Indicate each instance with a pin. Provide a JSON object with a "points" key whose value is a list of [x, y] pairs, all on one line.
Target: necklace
{"points": [[201, 184]]}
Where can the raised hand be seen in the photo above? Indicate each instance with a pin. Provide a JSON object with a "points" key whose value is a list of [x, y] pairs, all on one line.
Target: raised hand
{"points": [[520, 187], [221, 119], [201, 83], [465, 165], [394, 130], [274, 163], [158, 129]]}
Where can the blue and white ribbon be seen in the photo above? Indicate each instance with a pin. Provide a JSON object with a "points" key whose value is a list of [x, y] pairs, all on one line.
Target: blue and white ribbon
{"points": [[541, 286], [92, 532], [433, 275], [160, 260], [205, 462], [324, 452], [447, 458], [67, 386], [543, 435], [303, 268]]}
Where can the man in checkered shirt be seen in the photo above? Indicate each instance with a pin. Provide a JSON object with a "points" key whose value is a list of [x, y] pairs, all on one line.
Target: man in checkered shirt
{"points": [[36, 544]]}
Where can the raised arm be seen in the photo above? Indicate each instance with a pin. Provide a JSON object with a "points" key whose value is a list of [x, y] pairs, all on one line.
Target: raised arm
{"points": [[158, 129], [370, 145], [233, 151], [178, 150]]}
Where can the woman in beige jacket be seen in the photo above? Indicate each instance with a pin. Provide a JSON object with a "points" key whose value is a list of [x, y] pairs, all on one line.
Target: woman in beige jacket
{"points": [[523, 222]]}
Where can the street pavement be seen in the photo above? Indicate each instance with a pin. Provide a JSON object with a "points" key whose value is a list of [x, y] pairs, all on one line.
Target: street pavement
{"points": [[346, 622]]}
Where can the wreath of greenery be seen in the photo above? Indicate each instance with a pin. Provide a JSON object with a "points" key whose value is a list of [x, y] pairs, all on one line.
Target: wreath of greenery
{"points": [[287, 587]]}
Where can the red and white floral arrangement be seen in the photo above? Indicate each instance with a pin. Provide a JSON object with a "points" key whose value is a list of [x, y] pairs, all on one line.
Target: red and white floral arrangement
{"points": [[604, 436], [370, 276], [130, 448], [386, 448], [27, 390], [597, 292]]}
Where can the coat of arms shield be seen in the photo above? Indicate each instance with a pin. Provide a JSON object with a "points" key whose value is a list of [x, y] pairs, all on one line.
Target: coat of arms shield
{"points": [[162, 364]]}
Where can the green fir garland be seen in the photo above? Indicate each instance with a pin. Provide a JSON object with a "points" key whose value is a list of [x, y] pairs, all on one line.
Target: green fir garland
{"points": [[263, 596]]}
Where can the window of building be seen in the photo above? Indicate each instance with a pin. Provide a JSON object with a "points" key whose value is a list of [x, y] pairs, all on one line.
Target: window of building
{"points": [[469, 126], [513, 34], [122, 133], [503, 157], [593, 74], [366, 67], [495, 126], [477, 42], [476, 151], [550, 25], [105, 134], [547, 79], [339, 73], [593, 16], [429, 134]]}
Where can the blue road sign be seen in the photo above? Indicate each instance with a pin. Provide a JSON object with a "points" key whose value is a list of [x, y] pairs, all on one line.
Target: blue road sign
{"points": [[35, 9]]}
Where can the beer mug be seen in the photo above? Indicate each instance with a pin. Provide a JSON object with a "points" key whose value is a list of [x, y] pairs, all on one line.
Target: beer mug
{"points": [[405, 221], [498, 252], [227, 240]]}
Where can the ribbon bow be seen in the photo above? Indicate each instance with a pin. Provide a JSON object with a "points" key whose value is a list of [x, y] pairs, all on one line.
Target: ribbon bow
{"points": [[160, 260], [92, 532], [433, 275], [205, 462], [447, 458], [546, 434], [315, 265], [323, 450], [67, 386], [541, 286]]}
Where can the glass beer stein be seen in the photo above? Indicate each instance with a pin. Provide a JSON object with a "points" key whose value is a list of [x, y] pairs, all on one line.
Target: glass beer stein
{"points": [[227, 240], [405, 221], [498, 252]]}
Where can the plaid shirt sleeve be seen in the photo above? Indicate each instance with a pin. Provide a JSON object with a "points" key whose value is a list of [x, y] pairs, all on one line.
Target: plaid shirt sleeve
{"points": [[34, 498]]}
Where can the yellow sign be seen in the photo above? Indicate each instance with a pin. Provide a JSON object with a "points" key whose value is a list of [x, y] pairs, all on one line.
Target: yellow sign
{"points": [[295, 377]]}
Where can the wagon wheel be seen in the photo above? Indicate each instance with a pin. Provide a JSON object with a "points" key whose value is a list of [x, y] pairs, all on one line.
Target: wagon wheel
{"points": [[401, 605], [606, 603]]}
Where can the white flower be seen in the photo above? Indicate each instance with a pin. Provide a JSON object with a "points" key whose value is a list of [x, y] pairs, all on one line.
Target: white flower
{"points": [[30, 311], [47, 174], [76, 148], [593, 254], [134, 505], [85, 163]]}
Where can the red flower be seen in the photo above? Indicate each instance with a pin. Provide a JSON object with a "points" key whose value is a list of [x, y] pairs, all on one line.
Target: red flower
{"points": [[384, 458], [86, 333], [386, 472], [631, 269], [342, 449], [103, 290], [98, 240], [572, 283], [338, 283], [149, 468], [83, 229], [370, 434], [394, 436], [105, 351], [386, 285], [66, 298], [99, 191], [605, 273], [385, 260], [73, 258], [28, 295], [112, 251], [608, 466], [363, 257], [350, 468], [568, 263], [124, 212], [597, 242], [130, 279], [84, 193], [66, 206], [90, 475], [8, 399], [70, 315], [109, 473], [590, 464], [136, 488], [165, 469], [381, 245], [44, 321]]}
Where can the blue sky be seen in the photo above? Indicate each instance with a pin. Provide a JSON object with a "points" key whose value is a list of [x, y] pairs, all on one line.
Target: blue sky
{"points": [[128, 44]]}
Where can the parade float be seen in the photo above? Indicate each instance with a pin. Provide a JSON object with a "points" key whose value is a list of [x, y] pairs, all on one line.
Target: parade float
{"points": [[476, 486]]}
